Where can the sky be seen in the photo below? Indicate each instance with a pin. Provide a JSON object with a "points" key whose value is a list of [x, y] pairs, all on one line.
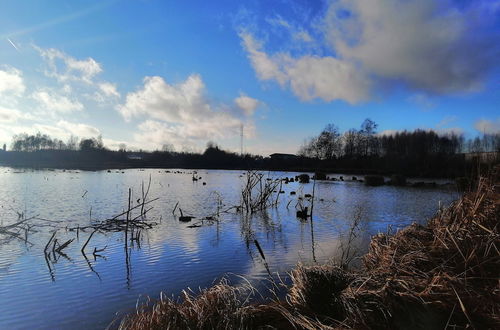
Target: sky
{"points": [[149, 73]]}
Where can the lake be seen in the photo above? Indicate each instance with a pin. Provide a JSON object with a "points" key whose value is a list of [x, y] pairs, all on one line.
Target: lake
{"points": [[71, 291]]}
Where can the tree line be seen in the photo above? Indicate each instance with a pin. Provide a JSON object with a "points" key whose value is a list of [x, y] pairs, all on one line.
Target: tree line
{"points": [[365, 142], [416, 153], [363, 150], [39, 141]]}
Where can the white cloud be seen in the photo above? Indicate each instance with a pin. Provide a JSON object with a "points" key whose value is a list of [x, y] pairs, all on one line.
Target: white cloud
{"points": [[266, 68], [117, 144], [422, 100], [52, 131], [429, 46], [105, 95], [303, 36], [78, 129], [12, 115], [446, 121], [54, 102], [173, 103], [247, 104], [309, 77], [327, 78], [11, 82], [64, 67], [61, 130], [79, 76], [298, 33], [485, 126], [109, 89], [178, 113]]}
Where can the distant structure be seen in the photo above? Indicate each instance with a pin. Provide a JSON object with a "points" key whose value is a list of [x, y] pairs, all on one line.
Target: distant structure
{"points": [[134, 156], [278, 156]]}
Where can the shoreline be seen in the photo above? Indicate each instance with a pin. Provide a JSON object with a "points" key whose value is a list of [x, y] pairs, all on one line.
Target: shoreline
{"points": [[115, 167]]}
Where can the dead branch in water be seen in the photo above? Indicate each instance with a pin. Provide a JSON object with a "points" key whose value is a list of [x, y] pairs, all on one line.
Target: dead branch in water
{"points": [[257, 192]]}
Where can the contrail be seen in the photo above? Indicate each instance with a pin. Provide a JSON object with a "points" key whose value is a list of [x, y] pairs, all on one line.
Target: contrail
{"points": [[13, 45], [60, 19]]}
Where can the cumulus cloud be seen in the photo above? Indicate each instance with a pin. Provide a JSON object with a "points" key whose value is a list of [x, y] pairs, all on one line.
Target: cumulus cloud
{"points": [[11, 82], [177, 113], [109, 89], [64, 67], [78, 75], [173, 103], [81, 130], [12, 115], [52, 131], [247, 104], [265, 67], [153, 133], [309, 76], [429, 46], [60, 130], [55, 103], [485, 126]]}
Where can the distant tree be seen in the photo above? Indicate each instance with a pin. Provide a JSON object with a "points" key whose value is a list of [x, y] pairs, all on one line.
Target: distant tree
{"points": [[122, 147], [369, 143], [99, 143], [92, 144], [4, 147], [25, 142], [351, 143], [476, 145], [73, 143], [327, 145], [167, 147], [88, 144], [212, 145]]}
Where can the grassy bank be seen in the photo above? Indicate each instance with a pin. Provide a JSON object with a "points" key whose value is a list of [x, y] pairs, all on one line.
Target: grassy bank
{"points": [[444, 274]]}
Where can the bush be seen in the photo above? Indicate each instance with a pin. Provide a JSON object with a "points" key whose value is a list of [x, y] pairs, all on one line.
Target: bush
{"points": [[304, 178], [374, 180], [398, 180], [319, 176]]}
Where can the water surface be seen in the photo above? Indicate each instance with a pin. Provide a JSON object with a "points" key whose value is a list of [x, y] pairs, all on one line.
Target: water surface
{"points": [[73, 292]]}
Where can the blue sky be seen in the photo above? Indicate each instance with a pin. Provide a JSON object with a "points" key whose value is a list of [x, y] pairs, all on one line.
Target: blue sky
{"points": [[148, 73]]}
